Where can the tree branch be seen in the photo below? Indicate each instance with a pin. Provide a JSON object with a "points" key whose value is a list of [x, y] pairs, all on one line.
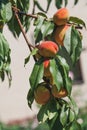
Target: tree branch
{"points": [[30, 46]]}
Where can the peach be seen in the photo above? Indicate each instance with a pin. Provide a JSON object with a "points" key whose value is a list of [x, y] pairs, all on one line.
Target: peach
{"points": [[61, 16], [60, 33], [42, 93], [48, 49], [46, 64], [59, 94]]}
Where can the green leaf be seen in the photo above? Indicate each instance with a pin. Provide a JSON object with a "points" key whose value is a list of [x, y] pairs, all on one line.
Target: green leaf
{"points": [[34, 51], [75, 126], [4, 46], [13, 23], [71, 115], [64, 53], [48, 4], [64, 70], [63, 116], [57, 78], [77, 20], [47, 111], [37, 31], [75, 2], [5, 59], [30, 97], [57, 124], [23, 5], [42, 126], [8, 72], [36, 75], [47, 28], [73, 44], [67, 40], [6, 11], [66, 2], [58, 3], [74, 106], [39, 6]]}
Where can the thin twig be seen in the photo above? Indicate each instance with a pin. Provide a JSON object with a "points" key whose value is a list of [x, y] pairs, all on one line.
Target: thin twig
{"points": [[29, 15], [30, 46], [35, 16], [23, 13], [21, 27]]}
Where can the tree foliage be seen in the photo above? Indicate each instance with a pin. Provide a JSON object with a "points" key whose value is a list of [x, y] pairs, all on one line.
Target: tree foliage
{"points": [[57, 113]]}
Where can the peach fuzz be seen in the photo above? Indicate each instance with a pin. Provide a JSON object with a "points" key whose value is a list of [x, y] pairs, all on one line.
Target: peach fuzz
{"points": [[48, 49], [61, 16]]}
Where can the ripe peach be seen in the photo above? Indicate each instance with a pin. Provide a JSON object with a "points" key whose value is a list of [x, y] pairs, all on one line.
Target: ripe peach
{"points": [[61, 16], [59, 94], [60, 33], [46, 64], [48, 49], [42, 93]]}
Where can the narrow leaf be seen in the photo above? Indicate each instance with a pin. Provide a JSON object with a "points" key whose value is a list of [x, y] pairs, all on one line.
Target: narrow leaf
{"points": [[6, 11], [30, 97], [37, 31], [64, 70], [75, 2], [42, 126], [71, 115], [48, 4], [73, 44], [47, 28], [63, 116], [34, 51], [47, 111], [66, 2], [36, 75], [75, 126], [74, 106], [76, 45], [39, 6], [57, 77], [58, 3], [77, 20]]}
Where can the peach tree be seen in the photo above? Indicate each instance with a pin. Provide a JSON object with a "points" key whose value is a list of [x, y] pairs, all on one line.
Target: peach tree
{"points": [[57, 47]]}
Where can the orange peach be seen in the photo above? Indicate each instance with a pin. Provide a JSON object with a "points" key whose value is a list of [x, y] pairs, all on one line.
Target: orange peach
{"points": [[42, 93], [48, 49], [61, 16], [46, 64], [60, 33], [59, 94]]}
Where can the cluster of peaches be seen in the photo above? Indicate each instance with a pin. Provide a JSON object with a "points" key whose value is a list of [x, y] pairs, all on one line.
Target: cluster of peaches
{"points": [[48, 50]]}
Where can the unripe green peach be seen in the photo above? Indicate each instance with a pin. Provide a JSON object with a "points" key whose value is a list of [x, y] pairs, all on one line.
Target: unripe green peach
{"points": [[59, 34], [61, 16], [58, 94], [48, 49], [42, 93]]}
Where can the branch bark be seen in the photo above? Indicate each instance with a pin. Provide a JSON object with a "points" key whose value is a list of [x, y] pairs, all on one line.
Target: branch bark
{"points": [[30, 46]]}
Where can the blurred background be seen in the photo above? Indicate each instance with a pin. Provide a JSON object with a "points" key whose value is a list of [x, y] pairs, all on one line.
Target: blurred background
{"points": [[13, 102]]}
